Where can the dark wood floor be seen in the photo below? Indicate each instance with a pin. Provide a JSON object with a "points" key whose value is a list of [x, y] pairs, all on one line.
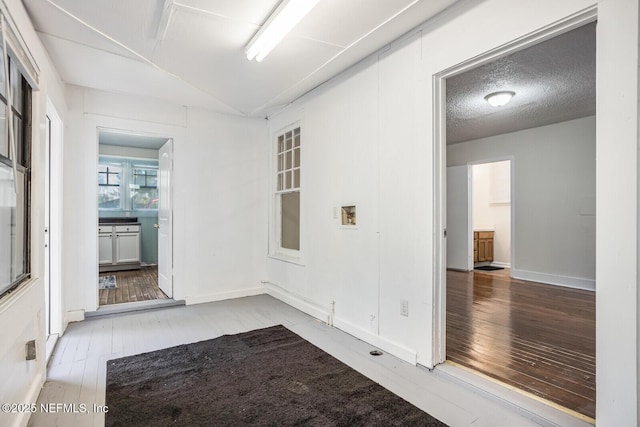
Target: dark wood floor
{"points": [[539, 338], [133, 285]]}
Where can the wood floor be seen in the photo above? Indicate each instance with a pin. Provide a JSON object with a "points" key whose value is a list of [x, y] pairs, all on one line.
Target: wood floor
{"points": [[132, 286], [77, 369], [539, 338]]}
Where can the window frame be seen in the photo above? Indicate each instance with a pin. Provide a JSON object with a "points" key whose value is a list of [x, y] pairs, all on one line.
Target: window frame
{"points": [[22, 116], [279, 188]]}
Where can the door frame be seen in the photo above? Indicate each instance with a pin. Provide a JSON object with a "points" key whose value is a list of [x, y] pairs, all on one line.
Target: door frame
{"points": [[53, 224], [439, 344], [512, 195], [98, 129]]}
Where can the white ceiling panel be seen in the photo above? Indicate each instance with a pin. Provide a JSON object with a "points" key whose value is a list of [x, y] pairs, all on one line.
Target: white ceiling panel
{"points": [[52, 21], [248, 11], [332, 21], [135, 27], [223, 69], [126, 139], [84, 66]]}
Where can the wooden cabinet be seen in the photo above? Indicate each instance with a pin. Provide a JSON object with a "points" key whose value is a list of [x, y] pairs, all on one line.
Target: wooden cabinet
{"points": [[482, 246], [119, 247]]}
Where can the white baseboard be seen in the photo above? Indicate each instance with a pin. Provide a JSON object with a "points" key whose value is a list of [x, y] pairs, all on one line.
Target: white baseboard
{"points": [[324, 315], [552, 279], [221, 296], [401, 352], [73, 316], [22, 420], [308, 307], [501, 264]]}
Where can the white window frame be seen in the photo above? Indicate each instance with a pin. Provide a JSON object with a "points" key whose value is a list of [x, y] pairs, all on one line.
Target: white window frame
{"points": [[277, 250]]}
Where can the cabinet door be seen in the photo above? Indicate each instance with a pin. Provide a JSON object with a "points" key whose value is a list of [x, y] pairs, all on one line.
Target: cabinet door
{"points": [[127, 247], [482, 250], [105, 248], [489, 250]]}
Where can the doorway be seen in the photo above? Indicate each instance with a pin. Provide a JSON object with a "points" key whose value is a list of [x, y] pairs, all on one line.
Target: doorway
{"points": [[53, 228], [525, 301], [134, 218]]}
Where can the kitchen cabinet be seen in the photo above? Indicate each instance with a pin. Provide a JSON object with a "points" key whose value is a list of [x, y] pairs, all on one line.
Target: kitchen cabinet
{"points": [[119, 247], [482, 246]]}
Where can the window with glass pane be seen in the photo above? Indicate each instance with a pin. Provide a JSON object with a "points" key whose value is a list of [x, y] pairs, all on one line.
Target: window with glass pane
{"points": [[14, 186], [288, 189], [144, 190], [109, 188]]}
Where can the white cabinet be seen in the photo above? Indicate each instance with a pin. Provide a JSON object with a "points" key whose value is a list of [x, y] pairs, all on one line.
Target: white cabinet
{"points": [[105, 248], [119, 247]]}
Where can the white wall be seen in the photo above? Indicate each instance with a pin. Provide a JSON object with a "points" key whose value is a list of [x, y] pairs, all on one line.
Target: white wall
{"points": [[218, 187], [554, 171], [492, 216], [22, 313], [382, 110], [220, 235]]}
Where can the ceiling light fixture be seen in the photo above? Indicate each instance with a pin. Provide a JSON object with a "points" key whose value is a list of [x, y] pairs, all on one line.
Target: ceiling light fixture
{"points": [[498, 99], [287, 15]]}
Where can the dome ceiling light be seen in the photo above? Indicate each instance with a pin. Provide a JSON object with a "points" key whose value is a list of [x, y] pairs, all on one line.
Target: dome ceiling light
{"points": [[498, 99]]}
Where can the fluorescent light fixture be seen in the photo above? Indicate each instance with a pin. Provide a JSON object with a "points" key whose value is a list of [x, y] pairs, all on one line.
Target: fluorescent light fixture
{"points": [[498, 99], [286, 16]]}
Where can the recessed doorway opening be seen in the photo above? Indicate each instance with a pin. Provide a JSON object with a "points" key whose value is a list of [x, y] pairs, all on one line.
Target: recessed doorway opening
{"points": [[532, 324], [134, 217]]}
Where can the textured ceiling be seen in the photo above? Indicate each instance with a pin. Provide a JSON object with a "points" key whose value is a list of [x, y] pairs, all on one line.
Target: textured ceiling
{"points": [[554, 81], [191, 52]]}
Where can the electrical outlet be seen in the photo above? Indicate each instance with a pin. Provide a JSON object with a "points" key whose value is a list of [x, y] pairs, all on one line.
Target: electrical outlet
{"points": [[404, 308]]}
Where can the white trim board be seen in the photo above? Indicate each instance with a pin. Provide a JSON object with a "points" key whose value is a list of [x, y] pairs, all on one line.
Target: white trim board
{"points": [[302, 304], [552, 279], [221, 296], [314, 310]]}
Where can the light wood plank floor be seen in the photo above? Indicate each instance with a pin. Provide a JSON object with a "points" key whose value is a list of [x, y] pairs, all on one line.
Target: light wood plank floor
{"points": [[537, 337], [77, 370], [132, 286]]}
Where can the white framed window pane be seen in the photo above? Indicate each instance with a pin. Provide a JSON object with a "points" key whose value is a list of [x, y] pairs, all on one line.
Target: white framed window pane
{"points": [[288, 160], [296, 178], [288, 180], [289, 140], [290, 220], [144, 198], [296, 158], [109, 197], [4, 135], [7, 223], [280, 143], [280, 178], [296, 137], [19, 265], [280, 162], [17, 131], [2, 59], [16, 86]]}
